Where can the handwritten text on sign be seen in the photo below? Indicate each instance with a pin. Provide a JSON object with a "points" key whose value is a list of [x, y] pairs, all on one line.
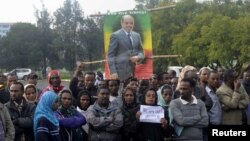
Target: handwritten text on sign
{"points": [[151, 113]]}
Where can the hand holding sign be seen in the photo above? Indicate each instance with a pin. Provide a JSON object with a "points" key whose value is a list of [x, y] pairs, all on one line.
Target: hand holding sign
{"points": [[152, 114], [164, 123]]}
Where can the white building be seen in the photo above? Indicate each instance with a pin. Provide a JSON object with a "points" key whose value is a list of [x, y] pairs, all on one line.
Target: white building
{"points": [[4, 28]]}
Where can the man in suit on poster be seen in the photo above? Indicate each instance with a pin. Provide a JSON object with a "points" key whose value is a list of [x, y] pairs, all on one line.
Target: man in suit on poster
{"points": [[125, 50]]}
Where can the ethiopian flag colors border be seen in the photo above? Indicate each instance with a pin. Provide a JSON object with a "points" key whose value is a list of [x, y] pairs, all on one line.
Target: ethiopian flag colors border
{"points": [[112, 22]]}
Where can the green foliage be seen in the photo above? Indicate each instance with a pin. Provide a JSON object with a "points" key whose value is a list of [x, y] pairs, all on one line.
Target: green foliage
{"points": [[91, 36], [68, 19], [206, 33], [241, 38], [146, 4], [21, 47], [77, 38], [44, 22], [65, 75], [167, 23]]}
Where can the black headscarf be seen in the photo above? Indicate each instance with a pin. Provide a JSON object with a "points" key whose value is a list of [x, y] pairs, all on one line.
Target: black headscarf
{"points": [[144, 96]]}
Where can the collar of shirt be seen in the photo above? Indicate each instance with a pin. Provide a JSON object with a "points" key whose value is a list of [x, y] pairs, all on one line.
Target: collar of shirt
{"points": [[19, 106], [209, 90], [186, 102], [126, 32]]}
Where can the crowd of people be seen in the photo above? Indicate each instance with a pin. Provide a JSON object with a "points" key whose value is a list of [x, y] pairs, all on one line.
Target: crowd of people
{"points": [[109, 110]]}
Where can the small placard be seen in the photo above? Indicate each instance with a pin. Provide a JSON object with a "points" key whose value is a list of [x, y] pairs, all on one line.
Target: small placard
{"points": [[151, 114]]}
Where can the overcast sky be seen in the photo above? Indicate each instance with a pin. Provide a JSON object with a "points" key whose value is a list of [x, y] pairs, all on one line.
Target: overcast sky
{"points": [[23, 10]]}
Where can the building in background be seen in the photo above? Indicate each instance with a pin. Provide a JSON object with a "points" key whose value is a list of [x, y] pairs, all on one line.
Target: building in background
{"points": [[4, 28]]}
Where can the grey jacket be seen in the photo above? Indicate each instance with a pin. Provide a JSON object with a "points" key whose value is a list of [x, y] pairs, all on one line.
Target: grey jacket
{"points": [[104, 123], [7, 123]]}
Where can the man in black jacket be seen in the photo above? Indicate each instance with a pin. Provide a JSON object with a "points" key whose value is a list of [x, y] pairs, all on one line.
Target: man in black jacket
{"points": [[21, 113]]}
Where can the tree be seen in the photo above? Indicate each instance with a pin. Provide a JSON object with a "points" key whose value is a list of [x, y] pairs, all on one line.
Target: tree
{"points": [[44, 22], [203, 33], [191, 43], [241, 40], [68, 20], [214, 39], [146, 4], [167, 23], [91, 37], [20, 48]]}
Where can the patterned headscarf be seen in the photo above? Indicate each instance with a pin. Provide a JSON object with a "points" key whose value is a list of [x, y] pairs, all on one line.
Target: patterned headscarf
{"points": [[44, 109], [66, 112]]}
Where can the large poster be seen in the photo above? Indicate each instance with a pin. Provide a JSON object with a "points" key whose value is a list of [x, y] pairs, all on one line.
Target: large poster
{"points": [[112, 22]]}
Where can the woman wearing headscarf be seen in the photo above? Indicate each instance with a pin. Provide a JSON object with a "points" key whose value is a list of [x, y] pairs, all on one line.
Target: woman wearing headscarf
{"points": [[147, 130], [30, 93], [46, 125], [83, 103], [129, 109], [70, 120], [54, 81], [164, 98]]}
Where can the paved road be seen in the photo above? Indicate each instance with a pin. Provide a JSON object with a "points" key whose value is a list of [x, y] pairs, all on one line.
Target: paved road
{"points": [[41, 84]]}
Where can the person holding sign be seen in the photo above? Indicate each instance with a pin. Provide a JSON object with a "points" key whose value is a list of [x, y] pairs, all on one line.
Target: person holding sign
{"points": [[151, 130], [125, 50]]}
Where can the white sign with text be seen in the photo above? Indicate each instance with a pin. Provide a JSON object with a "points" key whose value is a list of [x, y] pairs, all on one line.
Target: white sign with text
{"points": [[151, 113]]}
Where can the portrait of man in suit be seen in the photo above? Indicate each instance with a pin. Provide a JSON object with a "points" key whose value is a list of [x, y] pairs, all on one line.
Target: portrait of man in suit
{"points": [[125, 50]]}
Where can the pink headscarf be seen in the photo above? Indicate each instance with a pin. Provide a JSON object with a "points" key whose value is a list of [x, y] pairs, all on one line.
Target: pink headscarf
{"points": [[51, 87]]}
